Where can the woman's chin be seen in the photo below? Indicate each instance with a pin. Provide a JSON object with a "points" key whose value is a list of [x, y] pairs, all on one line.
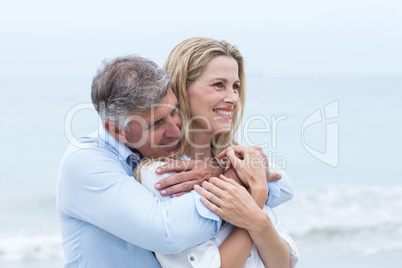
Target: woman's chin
{"points": [[222, 130]]}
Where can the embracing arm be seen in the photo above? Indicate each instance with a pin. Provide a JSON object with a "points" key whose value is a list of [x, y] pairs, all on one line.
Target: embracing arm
{"points": [[279, 186], [236, 248], [190, 173], [100, 192], [280, 191], [234, 204], [272, 249]]}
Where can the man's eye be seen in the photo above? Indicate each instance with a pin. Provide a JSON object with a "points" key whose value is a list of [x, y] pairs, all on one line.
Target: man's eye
{"points": [[174, 111], [156, 124]]}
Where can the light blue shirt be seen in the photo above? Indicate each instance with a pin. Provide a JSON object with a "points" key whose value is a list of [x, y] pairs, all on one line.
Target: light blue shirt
{"points": [[108, 219]]}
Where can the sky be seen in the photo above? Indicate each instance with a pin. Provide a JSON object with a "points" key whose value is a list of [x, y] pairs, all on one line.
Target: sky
{"points": [[290, 37]]}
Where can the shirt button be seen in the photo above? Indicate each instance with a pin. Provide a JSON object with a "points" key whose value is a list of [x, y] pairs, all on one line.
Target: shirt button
{"points": [[191, 258]]}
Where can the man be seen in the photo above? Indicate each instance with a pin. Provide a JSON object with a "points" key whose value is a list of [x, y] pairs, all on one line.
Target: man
{"points": [[107, 218]]}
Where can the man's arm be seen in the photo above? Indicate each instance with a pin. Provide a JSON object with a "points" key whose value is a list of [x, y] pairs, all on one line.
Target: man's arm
{"points": [[194, 172], [96, 189], [280, 191], [187, 174]]}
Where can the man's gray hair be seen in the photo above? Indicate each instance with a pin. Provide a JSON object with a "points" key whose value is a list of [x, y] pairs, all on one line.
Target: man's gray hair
{"points": [[127, 84]]}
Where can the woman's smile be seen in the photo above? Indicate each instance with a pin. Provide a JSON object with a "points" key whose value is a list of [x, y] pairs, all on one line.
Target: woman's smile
{"points": [[225, 113]]}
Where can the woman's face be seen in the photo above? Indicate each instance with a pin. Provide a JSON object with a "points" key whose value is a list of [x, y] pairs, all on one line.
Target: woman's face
{"points": [[214, 95]]}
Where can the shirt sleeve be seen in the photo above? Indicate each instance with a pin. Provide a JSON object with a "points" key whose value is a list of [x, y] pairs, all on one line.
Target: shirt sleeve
{"points": [[279, 191], [95, 188], [149, 178], [293, 251], [200, 256]]}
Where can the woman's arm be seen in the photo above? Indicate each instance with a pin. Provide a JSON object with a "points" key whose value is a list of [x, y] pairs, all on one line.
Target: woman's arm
{"points": [[272, 249], [235, 250], [264, 232], [234, 204]]}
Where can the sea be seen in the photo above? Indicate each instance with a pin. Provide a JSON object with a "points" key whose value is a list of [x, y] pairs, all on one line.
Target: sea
{"points": [[339, 139]]}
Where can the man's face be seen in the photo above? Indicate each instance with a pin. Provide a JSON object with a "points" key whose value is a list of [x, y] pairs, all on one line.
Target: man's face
{"points": [[156, 132]]}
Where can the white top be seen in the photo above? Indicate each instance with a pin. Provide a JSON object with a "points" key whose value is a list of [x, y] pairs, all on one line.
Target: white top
{"points": [[207, 255]]}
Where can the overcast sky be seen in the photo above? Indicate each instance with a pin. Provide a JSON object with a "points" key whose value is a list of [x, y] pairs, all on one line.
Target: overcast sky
{"points": [[289, 37]]}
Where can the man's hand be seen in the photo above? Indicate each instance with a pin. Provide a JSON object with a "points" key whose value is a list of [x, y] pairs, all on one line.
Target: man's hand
{"points": [[232, 174], [189, 174]]}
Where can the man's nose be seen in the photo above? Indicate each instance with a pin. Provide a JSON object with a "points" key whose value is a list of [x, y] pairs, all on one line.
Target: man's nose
{"points": [[174, 127]]}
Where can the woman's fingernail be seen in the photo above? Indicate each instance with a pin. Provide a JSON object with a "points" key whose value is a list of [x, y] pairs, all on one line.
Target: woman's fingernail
{"points": [[158, 170], [196, 186], [163, 192], [157, 186]]}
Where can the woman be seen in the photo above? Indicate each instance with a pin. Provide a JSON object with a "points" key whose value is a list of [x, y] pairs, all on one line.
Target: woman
{"points": [[208, 80]]}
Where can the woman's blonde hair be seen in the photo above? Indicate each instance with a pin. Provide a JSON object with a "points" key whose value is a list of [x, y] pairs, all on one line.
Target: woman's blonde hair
{"points": [[186, 63]]}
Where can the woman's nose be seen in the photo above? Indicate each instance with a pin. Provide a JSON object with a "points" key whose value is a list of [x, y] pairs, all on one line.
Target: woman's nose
{"points": [[232, 97]]}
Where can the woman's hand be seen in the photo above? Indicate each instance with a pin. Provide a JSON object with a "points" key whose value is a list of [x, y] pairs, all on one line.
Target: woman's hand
{"points": [[270, 176], [248, 162], [251, 167], [231, 202]]}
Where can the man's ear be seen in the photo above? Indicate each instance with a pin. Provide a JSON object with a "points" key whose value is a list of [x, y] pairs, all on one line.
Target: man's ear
{"points": [[115, 130]]}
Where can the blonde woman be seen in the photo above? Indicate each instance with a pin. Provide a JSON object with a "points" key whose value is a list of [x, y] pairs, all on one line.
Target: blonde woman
{"points": [[208, 80]]}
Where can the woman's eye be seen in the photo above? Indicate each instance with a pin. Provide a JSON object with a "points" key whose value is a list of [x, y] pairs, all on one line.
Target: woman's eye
{"points": [[219, 85], [236, 87]]}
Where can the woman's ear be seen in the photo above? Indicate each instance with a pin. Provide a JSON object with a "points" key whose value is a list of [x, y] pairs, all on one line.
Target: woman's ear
{"points": [[115, 130]]}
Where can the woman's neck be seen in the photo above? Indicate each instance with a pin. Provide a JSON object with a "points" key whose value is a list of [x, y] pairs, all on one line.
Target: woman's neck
{"points": [[200, 147]]}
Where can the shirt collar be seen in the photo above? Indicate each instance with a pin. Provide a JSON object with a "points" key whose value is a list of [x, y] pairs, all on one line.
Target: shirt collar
{"points": [[109, 141]]}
